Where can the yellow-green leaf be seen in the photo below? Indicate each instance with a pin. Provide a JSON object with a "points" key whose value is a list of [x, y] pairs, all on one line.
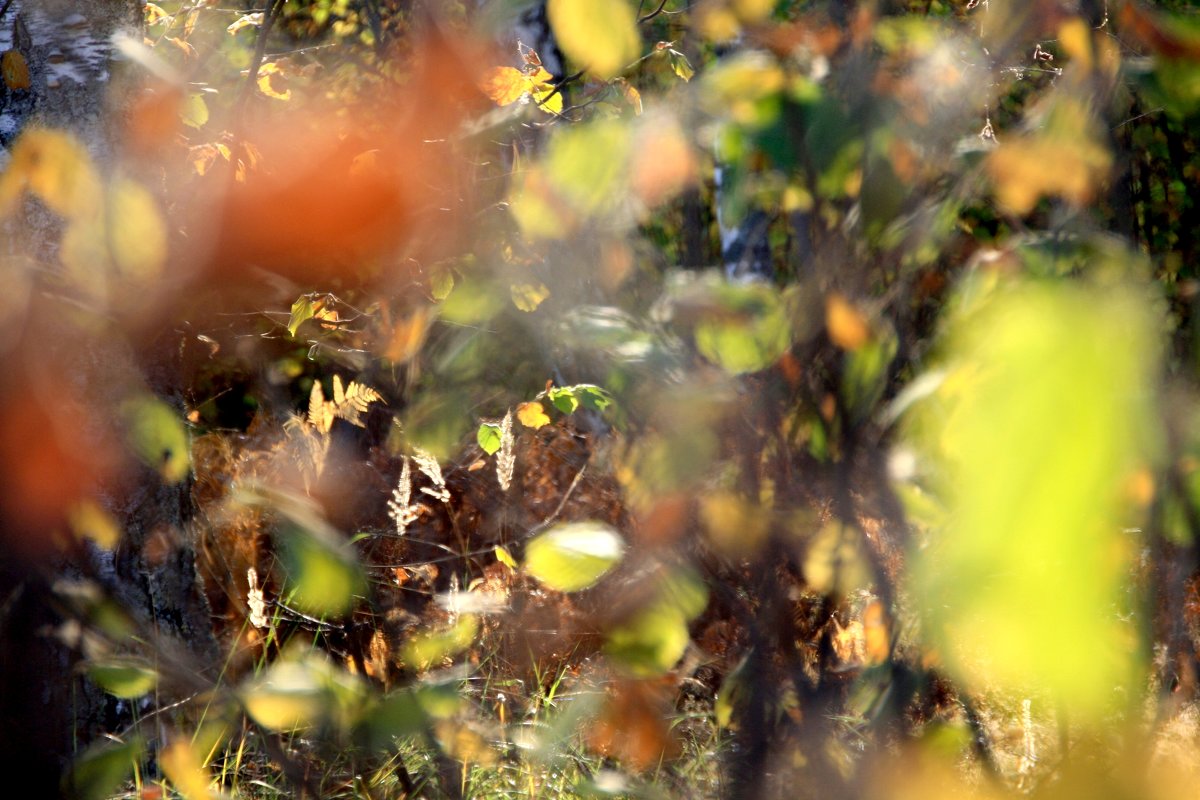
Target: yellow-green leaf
{"points": [[651, 643], [1045, 414], [137, 232], [489, 437], [272, 82], [302, 311], [158, 437], [573, 556], [323, 576], [600, 35], [427, 649], [99, 772], [123, 679]]}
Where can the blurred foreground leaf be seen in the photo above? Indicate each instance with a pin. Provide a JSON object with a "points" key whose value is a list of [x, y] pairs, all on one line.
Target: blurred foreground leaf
{"points": [[573, 556], [102, 768], [158, 437], [1044, 416], [123, 679]]}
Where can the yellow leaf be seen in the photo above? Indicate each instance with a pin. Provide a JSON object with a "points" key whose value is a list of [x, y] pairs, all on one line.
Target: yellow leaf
{"points": [[184, 768], [137, 233], [55, 167], [528, 296], [272, 83], [532, 415], [547, 99], [184, 46], [253, 20], [155, 14], [847, 326], [1065, 158], [599, 35], [632, 95], [505, 85], [202, 157], [1075, 38], [15, 70]]}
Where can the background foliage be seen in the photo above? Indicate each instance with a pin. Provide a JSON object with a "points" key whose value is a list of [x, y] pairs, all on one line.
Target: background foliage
{"points": [[780, 398]]}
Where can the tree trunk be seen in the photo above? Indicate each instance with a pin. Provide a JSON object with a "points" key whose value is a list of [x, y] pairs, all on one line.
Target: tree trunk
{"points": [[47, 711]]}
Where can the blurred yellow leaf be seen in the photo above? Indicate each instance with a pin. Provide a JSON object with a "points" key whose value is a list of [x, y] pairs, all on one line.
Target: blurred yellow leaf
{"points": [[1066, 159], [834, 561], [428, 649], [532, 415], [528, 296], [847, 327], [90, 521], [184, 768], [157, 436], [408, 335], [123, 679], [735, 527], [462, 743], [599, 35], [55, 167], [631, 95], [137, 232]]}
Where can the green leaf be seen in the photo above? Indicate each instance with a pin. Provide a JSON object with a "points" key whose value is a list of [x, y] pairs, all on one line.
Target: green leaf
{"points": [[101, 770], [489, 437], [157, 436], [397, 715], [587, 164], [471, 302], [302, 311], [600, 35], [323, 576], [573, 556], [564, 398], [592, 397], [123, 679], [1045, 414]]}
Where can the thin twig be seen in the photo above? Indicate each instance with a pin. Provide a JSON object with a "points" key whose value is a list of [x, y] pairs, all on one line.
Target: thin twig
{"points": [[653, 13]]}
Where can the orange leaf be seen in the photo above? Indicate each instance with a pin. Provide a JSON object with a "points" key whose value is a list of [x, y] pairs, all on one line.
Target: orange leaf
{"points": [[532, 415], [505, 85]]}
